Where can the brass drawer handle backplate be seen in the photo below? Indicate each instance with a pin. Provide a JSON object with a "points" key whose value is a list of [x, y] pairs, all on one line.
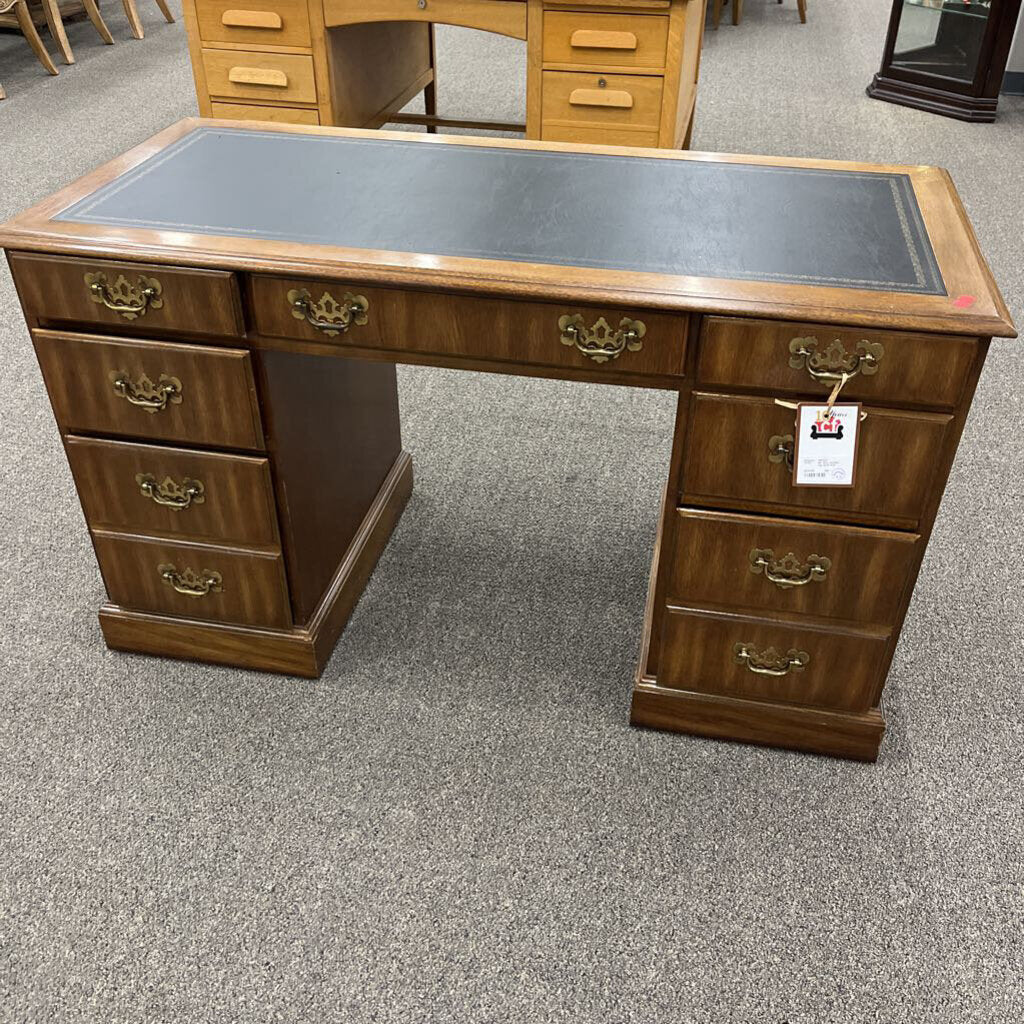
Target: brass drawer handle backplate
{"points": [[789, 571], [780, 449], [600, 341], [189, 582], [327, 315], [129, 300], [770, 662], [144, 393], [169, 494], [829, 365]]}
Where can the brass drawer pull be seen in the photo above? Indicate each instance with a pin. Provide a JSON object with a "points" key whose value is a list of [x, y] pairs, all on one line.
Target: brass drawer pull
{"points": [[327, 314], [272, 78], [122, 297], [169, 494], [599, 341], [585, 38], [780, 448], [830, 364], [788, 571], [144, 393], [617, 98], [250, 19], [189, 582], [770, 662]]}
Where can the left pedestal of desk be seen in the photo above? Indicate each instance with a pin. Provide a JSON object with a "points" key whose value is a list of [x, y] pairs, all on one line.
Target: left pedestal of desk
{"points": [[237, 499]]}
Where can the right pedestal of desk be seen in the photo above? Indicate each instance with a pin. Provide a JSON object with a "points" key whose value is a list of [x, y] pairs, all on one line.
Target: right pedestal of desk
{"points": [[774, 610]]}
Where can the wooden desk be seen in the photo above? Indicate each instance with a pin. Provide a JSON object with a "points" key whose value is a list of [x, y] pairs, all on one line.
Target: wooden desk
{"points": [[614, 72], [217, 315]]}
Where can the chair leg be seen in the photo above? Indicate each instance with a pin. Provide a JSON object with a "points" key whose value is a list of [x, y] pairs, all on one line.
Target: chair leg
{"points": [[97, 21], [737, 11], [134, 22], [3, 95], [28, 28], [430, 92], [716, 14], [801, 6], [56, 26], [166, 11]]}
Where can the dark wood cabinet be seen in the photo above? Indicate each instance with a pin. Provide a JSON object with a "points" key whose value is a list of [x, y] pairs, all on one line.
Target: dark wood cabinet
{"points": [[947, 56]]}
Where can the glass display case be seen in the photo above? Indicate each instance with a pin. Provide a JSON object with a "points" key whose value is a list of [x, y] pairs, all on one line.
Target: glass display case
{"points": [[947, 56]]}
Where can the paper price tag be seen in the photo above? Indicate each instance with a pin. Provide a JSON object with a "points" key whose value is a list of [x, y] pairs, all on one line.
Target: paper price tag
{"points": [[826, 444]]}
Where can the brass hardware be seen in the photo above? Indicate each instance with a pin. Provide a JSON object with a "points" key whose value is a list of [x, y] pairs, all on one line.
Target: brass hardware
{"points": [[788, 571], [829, 364], [599, 341], [770, 662], [144, 393], [780, 447], [191, 583], [169, 494], [129, 300], [327, 314]]}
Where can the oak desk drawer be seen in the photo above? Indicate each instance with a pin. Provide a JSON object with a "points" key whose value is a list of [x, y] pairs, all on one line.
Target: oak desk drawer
{"points": [[196, 581], [738, 447], [795, 358], [592, 100], [248, 75], [604, 40], [252, 112], [766, 659], [149, 296], [173, 492], [151, 389], [782, 565], [619, 340], [258, 22]]}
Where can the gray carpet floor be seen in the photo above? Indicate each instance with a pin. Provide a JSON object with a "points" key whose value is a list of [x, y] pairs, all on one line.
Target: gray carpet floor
{"points": [[455, 823]]}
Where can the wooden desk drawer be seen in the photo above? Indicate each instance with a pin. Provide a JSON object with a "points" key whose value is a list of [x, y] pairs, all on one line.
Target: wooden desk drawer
{"points": [[174, 492], [744, 656], [151, 389], [728, 462], [919, 369], [457, 325], [592, 100], [252, 112], [195, 581], [767, 565], [257, 22], [249, 75], [82, 291], [604, 40]]}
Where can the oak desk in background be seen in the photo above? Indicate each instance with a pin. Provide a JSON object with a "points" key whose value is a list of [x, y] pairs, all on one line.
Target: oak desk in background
{"points": [[217, 315], [613, 72]]}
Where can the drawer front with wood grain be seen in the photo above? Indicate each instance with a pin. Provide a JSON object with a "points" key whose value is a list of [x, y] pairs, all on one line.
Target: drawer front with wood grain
{"points": [[739, 455], [143, 295], [617, 341], [174, 492], [593, 100], [797, 358], [604, 40], [249, 75], [252, 112], [771, 660], [151, 389], [194, 581], [769, 565], [255, 22]]}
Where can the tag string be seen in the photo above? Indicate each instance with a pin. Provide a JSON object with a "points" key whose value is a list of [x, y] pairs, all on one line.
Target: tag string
{"points": [[835, 391]]}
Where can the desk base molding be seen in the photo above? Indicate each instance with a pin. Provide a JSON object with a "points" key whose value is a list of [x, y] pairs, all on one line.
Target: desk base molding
{"points": [[298, 652]]}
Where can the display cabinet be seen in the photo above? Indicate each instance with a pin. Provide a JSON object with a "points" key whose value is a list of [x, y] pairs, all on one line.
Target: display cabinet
{"points": [[947, 56]]}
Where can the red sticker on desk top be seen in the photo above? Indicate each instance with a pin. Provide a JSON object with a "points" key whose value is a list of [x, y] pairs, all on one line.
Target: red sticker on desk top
{"points": [[963, 301]]}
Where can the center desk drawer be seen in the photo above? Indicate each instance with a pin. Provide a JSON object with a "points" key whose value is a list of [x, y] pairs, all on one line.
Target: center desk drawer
{"points": [[616, 341], [174, 492], [255, 22], [142, 295], [805, 359], [739, 452], [195, 581], [249, 75], [604, 40], [151, 389], [771, 565]]}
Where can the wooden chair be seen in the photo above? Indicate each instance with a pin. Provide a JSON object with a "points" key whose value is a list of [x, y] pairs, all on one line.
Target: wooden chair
{"points": [[737, 11], [135, 24], [20, 10]]}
